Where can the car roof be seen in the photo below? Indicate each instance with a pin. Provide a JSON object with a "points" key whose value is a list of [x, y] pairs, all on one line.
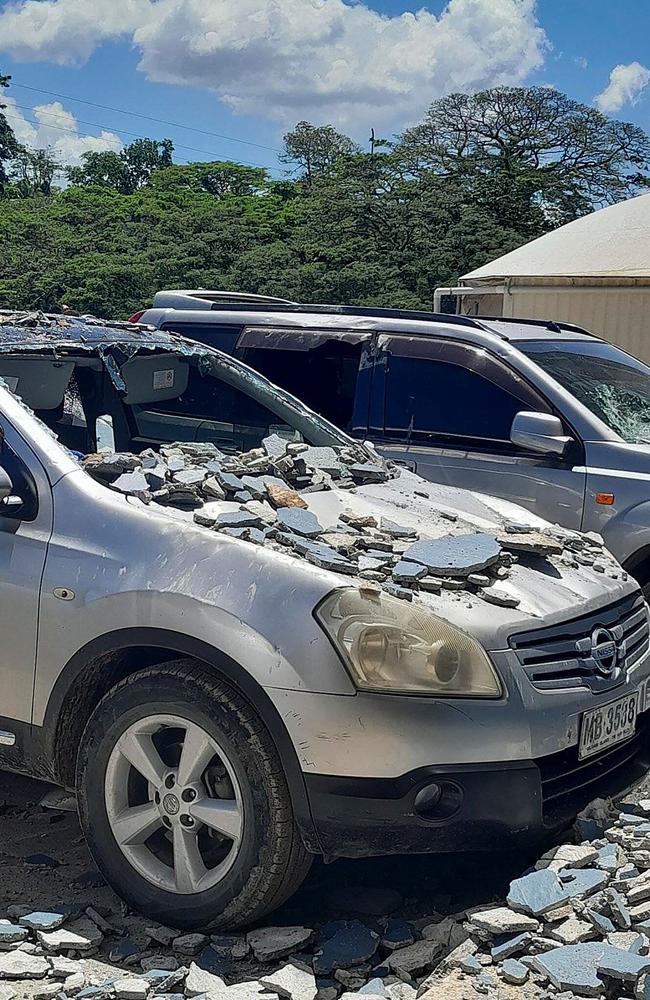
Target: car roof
{"points": [[337, 317], [37, 331]]}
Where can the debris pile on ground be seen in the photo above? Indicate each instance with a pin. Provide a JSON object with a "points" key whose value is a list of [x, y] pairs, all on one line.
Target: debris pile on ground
{"points": [[576, 925], [262, 496]]}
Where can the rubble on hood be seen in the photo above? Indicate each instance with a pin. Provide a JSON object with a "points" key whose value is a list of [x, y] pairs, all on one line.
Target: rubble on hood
{"points": [[261, 496]]}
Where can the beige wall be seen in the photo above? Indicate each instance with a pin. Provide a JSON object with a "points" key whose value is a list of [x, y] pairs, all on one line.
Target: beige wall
{"points": [[620, 315]]}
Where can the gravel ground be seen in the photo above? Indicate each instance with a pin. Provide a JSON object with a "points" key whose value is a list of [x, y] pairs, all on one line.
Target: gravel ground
{"points": [[44, 866]]}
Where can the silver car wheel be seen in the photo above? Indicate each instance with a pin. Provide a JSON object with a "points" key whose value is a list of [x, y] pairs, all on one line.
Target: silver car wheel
{"points": [[174, 804]]}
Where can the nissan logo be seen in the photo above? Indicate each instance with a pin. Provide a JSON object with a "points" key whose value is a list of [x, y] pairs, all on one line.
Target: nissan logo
{"points": [[604, 651]]}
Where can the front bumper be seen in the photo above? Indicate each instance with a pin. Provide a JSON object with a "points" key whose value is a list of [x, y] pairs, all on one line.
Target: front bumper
{"points": [[483, 806]]}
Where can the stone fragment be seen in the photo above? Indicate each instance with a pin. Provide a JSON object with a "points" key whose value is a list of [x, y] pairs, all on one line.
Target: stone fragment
{"points": [[212, 488], [12, 934], [132, 483], [38, 920], [74, 983], [573, 931], [502, 920], [573, 968], [537, 893], [471, 966], [348, 944], [19, 965], [82, 935], [495, 595], [189, 944], [415, 958], [275, 446], [514, 972], [509, 945], [568, 856], [479, 579], [270, 943], [200, 982], [628, 941], [281, 496], [408, 572], [582, 881], [323, 458], [237, 519], [396, 530], [62, 966], [292, 981], [46, 991], [455, 555], [301, 522], [622, 965], [358, 521], [531, 541], [132, 989]]}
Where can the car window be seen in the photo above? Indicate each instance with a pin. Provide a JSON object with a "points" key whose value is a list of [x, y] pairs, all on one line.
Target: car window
{"points": [[325, 378], [609, 382], [436, 398]]}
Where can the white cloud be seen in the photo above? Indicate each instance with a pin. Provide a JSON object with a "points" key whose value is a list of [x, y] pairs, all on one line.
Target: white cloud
{"points": [[56, 128], [285, 59], [626, 84], [581, 62]]}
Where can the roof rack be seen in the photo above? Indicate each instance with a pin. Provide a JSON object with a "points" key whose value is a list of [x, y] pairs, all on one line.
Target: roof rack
{"points": [[548, 324], [371, 311], [204, 298]]}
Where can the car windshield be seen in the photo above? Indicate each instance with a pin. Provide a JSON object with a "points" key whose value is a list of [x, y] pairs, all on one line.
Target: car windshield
{"points": [[150, 398], [611, 383]]}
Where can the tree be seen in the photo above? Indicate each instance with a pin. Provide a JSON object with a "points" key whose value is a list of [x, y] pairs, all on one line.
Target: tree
{"points": [[127, 171], [537, 150], [315, 148], [32, 173], [8, 144]]}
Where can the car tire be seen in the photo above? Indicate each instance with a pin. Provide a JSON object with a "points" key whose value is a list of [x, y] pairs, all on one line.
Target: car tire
{"points": [[194, 839]]}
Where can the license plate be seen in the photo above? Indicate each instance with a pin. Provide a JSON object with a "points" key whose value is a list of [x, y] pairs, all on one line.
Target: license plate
{"points": [[603, 727]]}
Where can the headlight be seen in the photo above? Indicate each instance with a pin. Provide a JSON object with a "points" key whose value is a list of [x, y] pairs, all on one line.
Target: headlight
{"points": [[389, 645]]}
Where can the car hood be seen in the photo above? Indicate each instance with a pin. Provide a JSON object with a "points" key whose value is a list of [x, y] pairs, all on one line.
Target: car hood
{"points": [[550, 587]]}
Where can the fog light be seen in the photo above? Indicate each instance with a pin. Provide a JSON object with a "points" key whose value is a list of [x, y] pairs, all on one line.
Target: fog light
{"points": [[438, 801]]}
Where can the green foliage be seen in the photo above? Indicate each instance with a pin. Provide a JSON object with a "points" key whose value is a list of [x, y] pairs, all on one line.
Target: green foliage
{"points": [[8, 144], [127, 171], [481, 175]]}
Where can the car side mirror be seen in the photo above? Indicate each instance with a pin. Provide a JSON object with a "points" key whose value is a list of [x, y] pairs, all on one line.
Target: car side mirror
{"points": [[6, 485], [542, 432]]}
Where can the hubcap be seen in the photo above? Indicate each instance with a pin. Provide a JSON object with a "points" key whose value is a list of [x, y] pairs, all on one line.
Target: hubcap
{"points": [[174, 804]]}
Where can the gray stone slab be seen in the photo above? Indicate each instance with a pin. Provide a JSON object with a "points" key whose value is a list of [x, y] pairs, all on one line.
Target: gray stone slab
{"points": [[270, 943], [574, 968], [583, 881], [455, 555], [396, 530], [408, 572], [131, 482], [238, 519], [514, 972], [537, 893], [301, 522]]}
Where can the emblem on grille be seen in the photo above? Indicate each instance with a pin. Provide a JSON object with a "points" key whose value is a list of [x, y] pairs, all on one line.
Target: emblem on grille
{"points": [[604, 651]]}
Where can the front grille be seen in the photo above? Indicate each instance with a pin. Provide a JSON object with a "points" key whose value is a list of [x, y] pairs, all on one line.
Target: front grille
{"points": [[568, 782], [561, 657]]}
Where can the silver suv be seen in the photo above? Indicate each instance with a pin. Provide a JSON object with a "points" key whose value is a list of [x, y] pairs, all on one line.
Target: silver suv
{"points": [[543, 414], [245, 639]]}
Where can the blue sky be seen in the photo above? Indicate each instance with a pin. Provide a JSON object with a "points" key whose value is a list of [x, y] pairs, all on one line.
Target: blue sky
{"points": [[248, 69]]}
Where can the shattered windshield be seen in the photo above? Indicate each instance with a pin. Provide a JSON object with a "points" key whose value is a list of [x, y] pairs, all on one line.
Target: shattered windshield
{"points": [[612, 384]]}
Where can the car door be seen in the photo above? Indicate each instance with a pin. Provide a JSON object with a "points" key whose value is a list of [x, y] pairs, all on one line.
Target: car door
{"points": [[25, 529], [444, 409]]}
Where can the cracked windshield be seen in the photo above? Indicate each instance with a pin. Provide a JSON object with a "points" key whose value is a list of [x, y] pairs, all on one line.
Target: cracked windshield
{"points": [[613, 385]]}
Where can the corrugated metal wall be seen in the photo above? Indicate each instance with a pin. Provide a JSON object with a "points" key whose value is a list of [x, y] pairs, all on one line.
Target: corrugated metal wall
{"points": [[618, 314], [621, 316]]}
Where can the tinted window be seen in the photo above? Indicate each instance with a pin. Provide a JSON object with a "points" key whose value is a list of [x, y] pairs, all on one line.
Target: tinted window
{"points": [[448, 400]]}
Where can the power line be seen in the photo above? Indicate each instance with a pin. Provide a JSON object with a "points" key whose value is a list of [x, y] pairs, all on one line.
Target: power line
{"points": [[149, 118], [136, 135]]}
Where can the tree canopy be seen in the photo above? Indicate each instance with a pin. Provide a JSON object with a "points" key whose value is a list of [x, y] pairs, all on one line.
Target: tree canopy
{"points": [[480, 175]]}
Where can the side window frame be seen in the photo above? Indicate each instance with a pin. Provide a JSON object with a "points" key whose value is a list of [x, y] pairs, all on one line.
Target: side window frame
{"points": [[464, 355], [21, 475]]}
